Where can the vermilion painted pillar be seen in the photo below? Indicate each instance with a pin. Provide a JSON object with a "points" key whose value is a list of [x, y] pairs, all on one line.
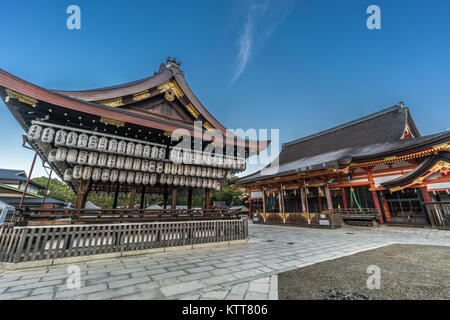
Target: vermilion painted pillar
{"points": [[377, 205], [328, 195]]}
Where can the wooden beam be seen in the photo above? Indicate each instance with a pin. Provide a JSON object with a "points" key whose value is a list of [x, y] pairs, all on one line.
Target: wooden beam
{"points": [[132, 197]]}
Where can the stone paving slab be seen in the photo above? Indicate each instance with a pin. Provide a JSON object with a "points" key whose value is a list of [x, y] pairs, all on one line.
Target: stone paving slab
{"points": [[246, 271]]}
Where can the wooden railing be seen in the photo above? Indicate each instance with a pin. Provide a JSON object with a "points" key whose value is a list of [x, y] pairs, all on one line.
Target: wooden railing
{"points": [[358, 217], [21, 244], [439, 213], [86, 216]]}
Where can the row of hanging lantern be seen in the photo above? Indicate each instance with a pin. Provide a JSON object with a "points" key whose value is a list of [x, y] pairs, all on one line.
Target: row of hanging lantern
{"points": [[199, 158], [94, 159], [73, 140], [83, 141], [131, 177]]}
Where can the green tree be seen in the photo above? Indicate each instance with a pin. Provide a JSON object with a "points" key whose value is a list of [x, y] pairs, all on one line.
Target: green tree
{"points": [[57, 190]]}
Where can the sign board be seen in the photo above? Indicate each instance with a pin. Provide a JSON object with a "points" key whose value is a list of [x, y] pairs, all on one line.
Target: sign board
{"points": [[256, 194], [324, 222]]}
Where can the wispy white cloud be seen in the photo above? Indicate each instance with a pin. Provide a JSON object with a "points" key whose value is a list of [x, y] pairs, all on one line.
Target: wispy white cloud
{"points": [[261, 19]]}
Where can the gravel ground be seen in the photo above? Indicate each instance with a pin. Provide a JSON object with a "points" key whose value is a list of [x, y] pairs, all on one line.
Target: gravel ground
{"points": [[407, 272]]}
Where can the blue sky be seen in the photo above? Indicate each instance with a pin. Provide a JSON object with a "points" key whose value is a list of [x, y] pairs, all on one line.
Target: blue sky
{"points": [[300, 66]]}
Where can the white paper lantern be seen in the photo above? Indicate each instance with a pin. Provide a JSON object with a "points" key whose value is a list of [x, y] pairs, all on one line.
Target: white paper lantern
{"points": [[220, 173], [130, 177], [128, 163], [173, 168], [199, 183], [182, 180], [167, 168], [122, 147], [209, 172], [198, 171], [220, 162], [111, 161], [198, 158], [112, 145], [162, 153], [235, 164], [93, 158], [217, 185], [51, 157], [60, 138], [153, 179], [68, 174], [34, 133], [146, 152], [146, 178], [144, 165], [214, 173], [138, 150], [186, 170], [105, 175], [72, 156], [187, 156], [82, 157], [83, 140], [87, 173], [93, 143], [138, 178], [209, 160], [96, 174], [130, 148], [72, 139], [154, 153], [176, 180], [77, 172], [120, 162], [204, 171], [193, 182], [137, 164], [152, 166], [114, 176], [102, 144], [172, 155], [169, 179], [102, 160], [162, 179], [47, 135], [122, 176], [228, 175], [179, 169], [159, 167], [187, 181]]}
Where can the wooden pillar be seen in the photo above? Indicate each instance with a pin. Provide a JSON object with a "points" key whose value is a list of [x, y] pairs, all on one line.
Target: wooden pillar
{"points": [[207, 199], [264, 200], [132, 197], [28, 180], [166, 197], [249, 203], [329, 199], [189, 198], [82, 193], [46, 188], [319, 203], [303, 199], [142, 204], [174, 198], [281, 198], [116, 196]]}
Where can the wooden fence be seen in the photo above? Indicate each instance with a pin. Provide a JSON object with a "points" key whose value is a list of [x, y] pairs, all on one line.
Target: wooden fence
{"points": [[439, 214], [323, 220], [30, 243]]}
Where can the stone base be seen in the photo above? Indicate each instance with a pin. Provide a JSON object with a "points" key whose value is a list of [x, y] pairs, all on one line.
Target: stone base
{"points": [[69, 260]]}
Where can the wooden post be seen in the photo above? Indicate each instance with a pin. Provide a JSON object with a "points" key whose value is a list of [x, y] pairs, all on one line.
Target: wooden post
{"points": [[281, 198], [82, 193], [174, 198], [28, 180], [329, 199], [46, 188], [303, 199], [249, 203], [166, 197], [319, 203], [207, 199], [306, 198], [142, 198], [132, 197], [189, 198], [116, 196], [264, 201]]}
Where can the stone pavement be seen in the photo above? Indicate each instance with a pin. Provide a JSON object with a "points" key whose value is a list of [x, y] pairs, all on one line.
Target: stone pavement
{"points": [[245, 271]]}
